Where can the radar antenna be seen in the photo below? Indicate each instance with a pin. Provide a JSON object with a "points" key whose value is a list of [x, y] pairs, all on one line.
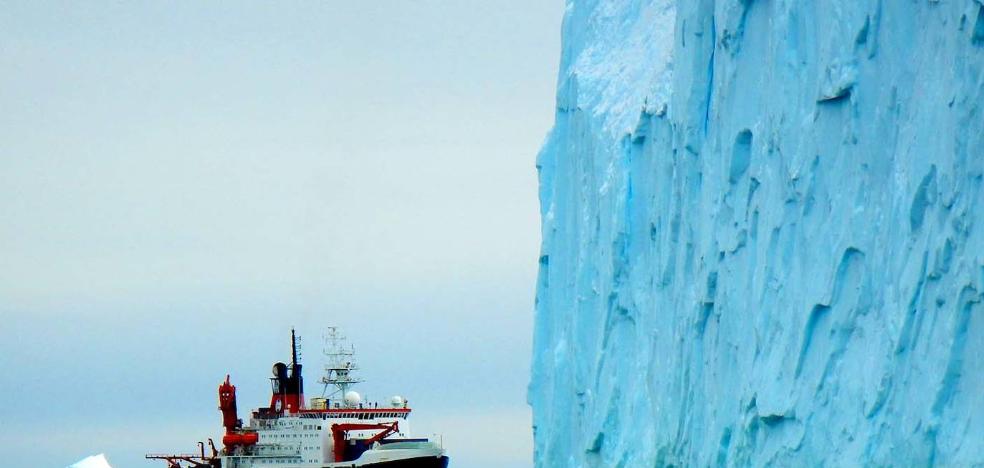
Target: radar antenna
{"points": [[340, 363]]}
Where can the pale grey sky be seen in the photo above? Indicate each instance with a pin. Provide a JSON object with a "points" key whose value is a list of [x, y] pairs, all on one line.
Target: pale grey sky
{"points": [[182, 182]]}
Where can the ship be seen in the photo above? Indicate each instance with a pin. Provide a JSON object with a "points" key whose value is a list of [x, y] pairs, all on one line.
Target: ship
{"points": [[337, 429]]}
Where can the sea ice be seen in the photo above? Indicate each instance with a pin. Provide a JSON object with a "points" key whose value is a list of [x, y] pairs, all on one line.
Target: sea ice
{"points": [[95, 461]]}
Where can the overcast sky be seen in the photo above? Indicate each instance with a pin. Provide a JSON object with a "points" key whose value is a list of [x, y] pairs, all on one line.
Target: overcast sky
{"points": [[182, 183]]}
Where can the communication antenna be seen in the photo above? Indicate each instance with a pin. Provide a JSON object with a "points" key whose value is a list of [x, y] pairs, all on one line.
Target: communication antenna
{"points": [[339, 363]]}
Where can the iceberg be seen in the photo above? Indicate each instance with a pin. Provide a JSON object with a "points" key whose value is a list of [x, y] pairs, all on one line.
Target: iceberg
{"points": [[95, 461], [763, 236]]}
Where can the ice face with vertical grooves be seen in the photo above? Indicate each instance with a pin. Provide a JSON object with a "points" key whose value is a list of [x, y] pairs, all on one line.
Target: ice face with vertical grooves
{"points": [[763, 236]]}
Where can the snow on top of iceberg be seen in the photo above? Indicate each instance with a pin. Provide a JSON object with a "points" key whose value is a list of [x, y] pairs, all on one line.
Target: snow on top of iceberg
{"points": [[95, 461], [615, 53]]}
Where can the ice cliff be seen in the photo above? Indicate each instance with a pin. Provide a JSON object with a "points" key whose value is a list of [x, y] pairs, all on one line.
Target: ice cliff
{"points": [[763, 235]]}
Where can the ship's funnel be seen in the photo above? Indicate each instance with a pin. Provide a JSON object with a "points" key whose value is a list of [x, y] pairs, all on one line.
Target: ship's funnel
{"points": [[288, 389]]}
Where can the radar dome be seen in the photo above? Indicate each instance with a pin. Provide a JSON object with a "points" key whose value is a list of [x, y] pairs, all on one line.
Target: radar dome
{"points": [[352, 398], [397, 401]]}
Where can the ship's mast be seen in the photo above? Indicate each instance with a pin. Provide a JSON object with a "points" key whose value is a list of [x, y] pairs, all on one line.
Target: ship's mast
{"points": [[293, 348], [339, 363]]}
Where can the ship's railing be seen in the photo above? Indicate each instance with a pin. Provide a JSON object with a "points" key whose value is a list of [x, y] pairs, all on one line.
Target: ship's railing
{"points": [[355, 413]]}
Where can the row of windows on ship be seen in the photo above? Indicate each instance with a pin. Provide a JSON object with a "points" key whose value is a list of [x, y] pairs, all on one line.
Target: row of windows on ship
{"points": [[284, 460], [288, 436], [263, 450]]}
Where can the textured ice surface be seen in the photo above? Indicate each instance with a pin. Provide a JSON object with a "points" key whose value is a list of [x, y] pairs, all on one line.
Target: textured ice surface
{"points": [[763, 235], [95, 461]]}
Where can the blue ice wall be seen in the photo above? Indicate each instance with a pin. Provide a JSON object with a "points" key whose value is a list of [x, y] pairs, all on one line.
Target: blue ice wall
{"points": [[763, 235]]}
